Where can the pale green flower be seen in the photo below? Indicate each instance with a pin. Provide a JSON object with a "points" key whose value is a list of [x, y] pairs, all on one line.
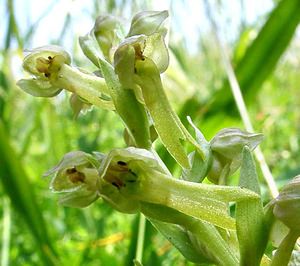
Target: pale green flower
{"points": [[130, 177], [51, 71], [75, 177]]}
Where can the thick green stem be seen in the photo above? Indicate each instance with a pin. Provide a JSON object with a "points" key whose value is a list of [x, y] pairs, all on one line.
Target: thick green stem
{"points": [[88, 87], [284, 252]]}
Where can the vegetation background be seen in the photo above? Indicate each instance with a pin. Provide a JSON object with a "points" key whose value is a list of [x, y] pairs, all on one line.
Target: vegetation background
{"points": [[264, 46]]}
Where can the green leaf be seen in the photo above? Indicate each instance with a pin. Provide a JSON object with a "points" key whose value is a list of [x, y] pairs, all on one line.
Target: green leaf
{"points": [[261, 57], [21, 192], [131, 250], [251, 228]]}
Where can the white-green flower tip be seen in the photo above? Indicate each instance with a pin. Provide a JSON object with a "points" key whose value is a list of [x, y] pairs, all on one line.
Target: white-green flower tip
{"points": [[45, 59], [148, 23], [229, 142], [145, 39], [43, 63], [287, 205], [107, 31], [75, 177]]}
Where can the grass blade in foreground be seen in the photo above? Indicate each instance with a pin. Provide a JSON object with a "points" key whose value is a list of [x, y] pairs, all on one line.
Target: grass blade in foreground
{"points": [[20, 191]]}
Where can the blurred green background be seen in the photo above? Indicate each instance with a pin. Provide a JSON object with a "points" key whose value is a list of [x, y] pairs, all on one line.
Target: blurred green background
{"points": [[264, 45]]}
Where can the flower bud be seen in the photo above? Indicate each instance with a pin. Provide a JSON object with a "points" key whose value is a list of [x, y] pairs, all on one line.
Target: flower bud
{"points": [[227, 147], [287, 205], [148, 22], [107, 30], [75, 177], [229, 142]]}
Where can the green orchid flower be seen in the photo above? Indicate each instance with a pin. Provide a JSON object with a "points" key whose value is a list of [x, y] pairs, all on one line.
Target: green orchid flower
{"points": [[51, 71], [75, 178], [130, 177]]}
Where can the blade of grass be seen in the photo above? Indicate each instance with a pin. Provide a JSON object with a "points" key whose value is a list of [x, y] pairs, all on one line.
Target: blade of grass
{"points": [[21, 193], [13, 30], [6, 233], [240, 103], [261, 57]]}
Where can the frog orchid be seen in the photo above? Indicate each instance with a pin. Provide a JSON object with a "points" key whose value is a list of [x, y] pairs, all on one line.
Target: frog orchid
{"points": [[51, 72]]}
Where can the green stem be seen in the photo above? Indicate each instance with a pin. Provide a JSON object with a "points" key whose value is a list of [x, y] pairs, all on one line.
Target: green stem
{"points": [[141, 238], [88, 87], [284, 251]]}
